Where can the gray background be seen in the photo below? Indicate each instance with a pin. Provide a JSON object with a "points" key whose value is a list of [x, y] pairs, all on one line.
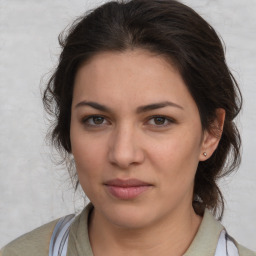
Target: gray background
{"points": [[35, 191]]}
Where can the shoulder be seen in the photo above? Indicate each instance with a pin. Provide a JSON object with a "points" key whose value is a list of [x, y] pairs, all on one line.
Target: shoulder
{"points": [[244, 251], [33, 243], [207, 238]]}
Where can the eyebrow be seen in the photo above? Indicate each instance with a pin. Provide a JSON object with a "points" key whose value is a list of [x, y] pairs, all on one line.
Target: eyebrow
{"points": [[139, 110]]}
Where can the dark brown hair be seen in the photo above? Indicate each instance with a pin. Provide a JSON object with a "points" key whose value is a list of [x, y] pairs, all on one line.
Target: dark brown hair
{"points": [[176, 32]]}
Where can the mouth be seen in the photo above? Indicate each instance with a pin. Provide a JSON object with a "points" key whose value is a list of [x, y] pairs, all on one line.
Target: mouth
{"points": [[126, 189]]}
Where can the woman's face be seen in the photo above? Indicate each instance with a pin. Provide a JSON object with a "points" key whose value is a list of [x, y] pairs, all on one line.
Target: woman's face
{"points": [[136, 137]]}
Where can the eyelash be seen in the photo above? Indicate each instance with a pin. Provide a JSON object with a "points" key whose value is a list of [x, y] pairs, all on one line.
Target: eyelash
{"points": [[170, 121]]}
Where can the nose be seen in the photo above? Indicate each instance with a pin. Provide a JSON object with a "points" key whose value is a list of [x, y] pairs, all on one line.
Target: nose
{"points": [[125, 149]]}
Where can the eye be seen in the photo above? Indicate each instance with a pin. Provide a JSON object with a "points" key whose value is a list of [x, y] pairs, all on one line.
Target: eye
{"points": [[94, 121], [160, 121]]}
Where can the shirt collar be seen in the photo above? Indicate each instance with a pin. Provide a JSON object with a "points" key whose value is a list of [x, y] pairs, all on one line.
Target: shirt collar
{"points": [[204, 243]]}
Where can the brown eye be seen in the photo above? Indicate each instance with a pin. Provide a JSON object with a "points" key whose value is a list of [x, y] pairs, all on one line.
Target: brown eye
{"points": [[159, 120], [98, 119], [94, 121]]}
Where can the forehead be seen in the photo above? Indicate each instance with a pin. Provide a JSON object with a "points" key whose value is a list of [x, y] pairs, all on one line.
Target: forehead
{"points": [[131, 76], [138, 62]]}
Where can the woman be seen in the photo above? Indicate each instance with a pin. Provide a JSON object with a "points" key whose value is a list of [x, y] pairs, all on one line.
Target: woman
{"points": [[145, 104]]}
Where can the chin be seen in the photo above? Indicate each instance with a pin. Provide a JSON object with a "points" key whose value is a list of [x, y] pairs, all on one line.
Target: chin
{"points": [[130, 221], [130, 216]]}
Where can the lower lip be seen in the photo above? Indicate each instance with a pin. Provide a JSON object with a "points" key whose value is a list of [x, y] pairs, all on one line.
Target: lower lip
{"points": [[126, 193]]}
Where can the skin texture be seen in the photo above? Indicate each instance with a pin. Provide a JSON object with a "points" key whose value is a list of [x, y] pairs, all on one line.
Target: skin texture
{"points": [[125, 143]]}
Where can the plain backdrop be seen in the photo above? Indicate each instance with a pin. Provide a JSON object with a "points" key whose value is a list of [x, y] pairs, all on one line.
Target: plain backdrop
{"points": [[33, 190]]}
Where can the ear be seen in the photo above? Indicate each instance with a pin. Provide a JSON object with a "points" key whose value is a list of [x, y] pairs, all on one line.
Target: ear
{"points": [[212, 136]]}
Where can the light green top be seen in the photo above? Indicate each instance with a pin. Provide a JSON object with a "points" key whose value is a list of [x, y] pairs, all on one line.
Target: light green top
{"points": [[37, 241]]}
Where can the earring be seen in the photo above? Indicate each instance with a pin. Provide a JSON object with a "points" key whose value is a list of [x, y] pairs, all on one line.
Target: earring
{"points": [[205, 154]]}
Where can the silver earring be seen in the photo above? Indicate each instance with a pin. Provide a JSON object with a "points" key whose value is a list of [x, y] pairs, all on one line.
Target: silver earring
{"points": [[205, 154]]}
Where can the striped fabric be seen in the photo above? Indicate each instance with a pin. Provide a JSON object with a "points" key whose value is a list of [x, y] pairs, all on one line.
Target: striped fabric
{"points": [[226, 245], [59, 240]]}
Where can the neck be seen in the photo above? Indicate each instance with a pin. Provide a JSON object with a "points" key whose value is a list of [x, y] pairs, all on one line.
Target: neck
{"points": [[171, 236]]}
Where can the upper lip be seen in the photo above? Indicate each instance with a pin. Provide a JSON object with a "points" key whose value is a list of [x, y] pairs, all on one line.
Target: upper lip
{"points": [[126, 183]]}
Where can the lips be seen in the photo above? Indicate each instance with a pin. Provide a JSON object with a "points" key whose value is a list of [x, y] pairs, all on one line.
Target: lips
{"points": [[126, 189]]}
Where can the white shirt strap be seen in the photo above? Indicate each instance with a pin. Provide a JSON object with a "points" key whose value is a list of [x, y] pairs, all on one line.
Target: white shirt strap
{"points": [[226, 245], [59, 240]]}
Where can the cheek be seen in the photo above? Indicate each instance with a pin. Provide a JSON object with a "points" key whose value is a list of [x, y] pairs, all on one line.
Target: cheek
{"points": [[176, 158], [89, 167], [177, 149], [88, 155]]}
